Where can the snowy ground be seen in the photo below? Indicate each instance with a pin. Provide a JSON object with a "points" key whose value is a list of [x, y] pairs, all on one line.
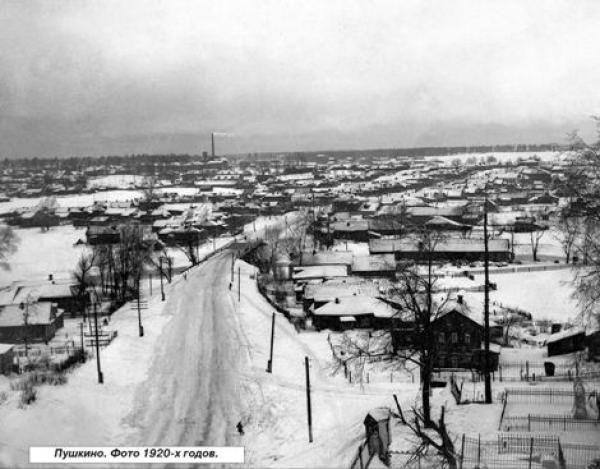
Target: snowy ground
{"points": [[40, 253], [546, 295], [277, 432], [115, 181], [85, 200], [83, 412], [549, 246], [199, 368], [501, 157]]}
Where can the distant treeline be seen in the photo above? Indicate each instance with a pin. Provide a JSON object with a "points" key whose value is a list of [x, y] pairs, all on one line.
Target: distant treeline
{"points": [[134, 160]]}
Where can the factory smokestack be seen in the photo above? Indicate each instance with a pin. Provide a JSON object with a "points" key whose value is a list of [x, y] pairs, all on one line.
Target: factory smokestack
{"points": [[212, 144]]}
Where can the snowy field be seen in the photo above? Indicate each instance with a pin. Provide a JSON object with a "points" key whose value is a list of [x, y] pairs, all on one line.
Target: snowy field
{"points": [[85, 200], [544, 294], [501, 157], [115, 181], [549, 247], [40, 253]]}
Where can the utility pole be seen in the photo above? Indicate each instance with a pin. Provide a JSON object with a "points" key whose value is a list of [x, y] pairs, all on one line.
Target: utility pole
{"points": [[26, 328], [308, 406], [486, 306], [314, 227], [232, 264], [239, 284], [270, 362], [162, 288], [150, 282], [100, 376], [139, 309], [82, 346], [512, 244]]}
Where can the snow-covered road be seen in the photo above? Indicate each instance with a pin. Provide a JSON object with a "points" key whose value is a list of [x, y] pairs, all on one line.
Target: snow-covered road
{"points": [[208, 373], [191, 396], [198, 370]]}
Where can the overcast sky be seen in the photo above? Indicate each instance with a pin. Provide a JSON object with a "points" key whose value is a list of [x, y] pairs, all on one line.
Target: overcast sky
{"points": [[115, 77]]}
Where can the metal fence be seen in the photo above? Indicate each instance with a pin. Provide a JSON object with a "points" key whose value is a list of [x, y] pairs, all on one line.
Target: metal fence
{"points": [[548, 423], [537, 396], [524, 451], [504, 374]]}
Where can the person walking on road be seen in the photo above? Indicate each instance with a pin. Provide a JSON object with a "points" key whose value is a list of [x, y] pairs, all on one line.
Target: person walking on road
{"points": [[240, 428]]}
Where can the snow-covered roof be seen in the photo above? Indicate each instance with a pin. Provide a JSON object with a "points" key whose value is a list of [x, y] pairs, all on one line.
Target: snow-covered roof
{"points": [[564, 334], [443, 221], [328, 291], [374, 263], [327, 258], [356, 305], [5, 348], [444, 245], [320, 271], [37, 313]]}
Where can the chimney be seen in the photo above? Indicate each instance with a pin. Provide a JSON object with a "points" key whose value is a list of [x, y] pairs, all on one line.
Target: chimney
{"points": [[50, 277], [212, 144], [337, 301]]}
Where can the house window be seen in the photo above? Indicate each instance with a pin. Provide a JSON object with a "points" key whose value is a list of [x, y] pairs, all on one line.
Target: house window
{"points": [[455, 337], [467, 338], [441, 338], [454, 361]]}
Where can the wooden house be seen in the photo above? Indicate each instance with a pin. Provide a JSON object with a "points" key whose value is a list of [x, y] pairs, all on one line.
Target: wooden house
{"points": [[36, 322], [353, 311]]}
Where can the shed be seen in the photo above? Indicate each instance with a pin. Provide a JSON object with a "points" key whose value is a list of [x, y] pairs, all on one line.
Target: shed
{"points": [[6, 358], [377, 432], [567, 341]]}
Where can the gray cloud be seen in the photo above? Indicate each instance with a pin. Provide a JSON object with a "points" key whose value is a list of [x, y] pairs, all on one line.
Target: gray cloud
{"points": [[91, 77]]}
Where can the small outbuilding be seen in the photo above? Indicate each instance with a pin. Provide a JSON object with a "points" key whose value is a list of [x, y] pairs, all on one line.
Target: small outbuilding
{"points": [[377, 432], [567, 341], [6, 358]]}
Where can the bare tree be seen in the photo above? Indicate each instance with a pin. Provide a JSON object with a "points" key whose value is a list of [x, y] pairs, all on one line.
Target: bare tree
{"points": [[149, 192], [83, 279], [434, 435], [189, 244], [8, 245], [585, 202], [575, 141], [509, 319], [535, 236], [587, 280], [414, 295], [281, 238], [121, 264], [569, 230], [164, 266], [358, 348]]}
